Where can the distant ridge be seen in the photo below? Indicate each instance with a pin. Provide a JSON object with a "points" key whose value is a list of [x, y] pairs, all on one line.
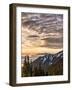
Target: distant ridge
{"points": [[49, 62]]}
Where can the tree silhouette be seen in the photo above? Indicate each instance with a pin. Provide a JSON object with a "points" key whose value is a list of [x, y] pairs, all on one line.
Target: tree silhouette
{"points": [[30, 69], [25, 68], [38, 71]]}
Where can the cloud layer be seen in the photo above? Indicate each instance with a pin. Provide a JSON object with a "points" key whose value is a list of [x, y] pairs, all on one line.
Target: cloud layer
{"points": [[42, 30]]}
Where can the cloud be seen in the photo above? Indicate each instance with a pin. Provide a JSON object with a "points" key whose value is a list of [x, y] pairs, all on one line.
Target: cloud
{"points": [[42, 30], [42, 22], [49, 43], [53, 40], [33, 36]]}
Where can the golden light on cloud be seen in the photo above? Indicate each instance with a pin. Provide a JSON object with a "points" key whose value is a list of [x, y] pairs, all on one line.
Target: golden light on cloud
{"points": [[38, 50], [32, 45], [39, 34]]}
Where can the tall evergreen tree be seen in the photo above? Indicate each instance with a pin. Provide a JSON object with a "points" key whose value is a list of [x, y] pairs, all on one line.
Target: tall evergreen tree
{"points": [[25, 69]]}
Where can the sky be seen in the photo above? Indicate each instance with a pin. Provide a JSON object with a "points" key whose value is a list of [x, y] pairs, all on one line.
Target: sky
{"points": [[41, 33]]}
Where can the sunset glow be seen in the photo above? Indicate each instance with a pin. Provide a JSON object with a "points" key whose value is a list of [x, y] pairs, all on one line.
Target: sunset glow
{"points": [[41, 33]]}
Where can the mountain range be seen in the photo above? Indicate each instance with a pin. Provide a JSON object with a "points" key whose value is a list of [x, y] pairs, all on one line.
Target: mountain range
{"points": [[49, 63]]}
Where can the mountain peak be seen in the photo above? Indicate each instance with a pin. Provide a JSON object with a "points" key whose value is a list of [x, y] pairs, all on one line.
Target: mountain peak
{"points": [[47, 60]]}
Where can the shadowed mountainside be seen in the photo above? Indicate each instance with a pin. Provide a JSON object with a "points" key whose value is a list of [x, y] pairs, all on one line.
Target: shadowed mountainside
{"points": [[48, 64]]}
